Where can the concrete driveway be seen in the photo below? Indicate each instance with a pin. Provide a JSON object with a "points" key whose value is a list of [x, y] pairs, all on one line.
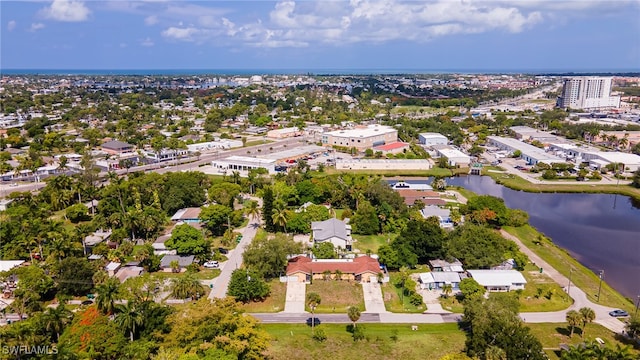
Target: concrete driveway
{"points": [[373, 301], [295, 300]]}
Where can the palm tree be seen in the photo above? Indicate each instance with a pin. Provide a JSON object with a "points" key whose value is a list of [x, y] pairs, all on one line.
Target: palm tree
{"points": [[56, 319], [280, 216], [588, 315], [129, 317], [574, 319], [107, 295], [447, 289], [624, 141], [186, 287], [252, 209], [313, 300], [175, 266], [354, 314]]}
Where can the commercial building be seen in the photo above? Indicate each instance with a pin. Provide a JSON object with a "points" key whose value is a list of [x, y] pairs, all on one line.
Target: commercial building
{"points": [[244, 163], [116, 147], [526, 133], [600, 159], [588, 92], [284, 133], [392, 148], [454, 157], [362, 137], [430, 139], [214, 145], [530, 153], [383, 164]]}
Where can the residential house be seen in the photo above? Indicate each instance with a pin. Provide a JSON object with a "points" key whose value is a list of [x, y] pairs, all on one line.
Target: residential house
{"points": [[427, 197], [129, 270], [442, 265], [159, 248], [335, 231], [187, 215], [438, 279], [6, 265], [443, 215], [112, 268], [499, 280], [96, 238], [183, 262], [362, 268]]}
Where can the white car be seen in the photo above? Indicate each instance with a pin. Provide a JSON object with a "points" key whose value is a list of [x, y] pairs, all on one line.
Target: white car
{"points": [[211, 264]]}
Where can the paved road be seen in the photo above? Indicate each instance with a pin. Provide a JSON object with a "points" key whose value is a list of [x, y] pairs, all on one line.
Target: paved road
{"points": [[221, 283]]}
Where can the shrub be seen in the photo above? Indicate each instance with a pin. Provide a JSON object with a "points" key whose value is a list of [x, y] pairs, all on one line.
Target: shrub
{"points": [[319, 335], [415, 299], [358, 333]]}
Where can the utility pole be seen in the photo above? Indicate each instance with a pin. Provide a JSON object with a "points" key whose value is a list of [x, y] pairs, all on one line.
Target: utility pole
{"points": [[569, 287], [637, 306], [600, 286]]}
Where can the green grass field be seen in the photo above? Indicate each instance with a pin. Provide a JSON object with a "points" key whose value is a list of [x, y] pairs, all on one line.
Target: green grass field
{"points": [[430, 341], [372, 242], [559, 259], [273, 303], [204, 274], [395, 173], [451, 303], [393, 299], [336, 295], [541, 293], [551, 335]]}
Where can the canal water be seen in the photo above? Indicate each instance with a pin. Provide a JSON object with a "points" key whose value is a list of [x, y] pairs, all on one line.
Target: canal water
{"points": [[602, 231]]}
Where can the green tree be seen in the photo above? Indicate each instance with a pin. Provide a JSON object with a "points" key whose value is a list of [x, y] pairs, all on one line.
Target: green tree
{"points": [[313, 300], [633, 326], [129, 318], [280, 215], [187, 240], [635, 182], [365, 220], [252, 209], [186, 286], [447, 289], [56, 319], [268, 256], [90, 334], [354, 314], [247, 286], [267, 208], [574, 319], [424, 238], [488, 202], [107, 294], [216, 218], [471, 289], [224, 193], [478, 246], [588, 315], [324, 250], [75, 276]]}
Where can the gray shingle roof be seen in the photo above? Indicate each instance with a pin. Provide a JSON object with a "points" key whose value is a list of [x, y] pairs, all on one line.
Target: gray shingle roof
{"points": [[323, 230]]}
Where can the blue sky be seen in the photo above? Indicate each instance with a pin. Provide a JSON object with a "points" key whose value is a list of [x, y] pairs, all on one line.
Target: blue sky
{"points": [[356, 34]]}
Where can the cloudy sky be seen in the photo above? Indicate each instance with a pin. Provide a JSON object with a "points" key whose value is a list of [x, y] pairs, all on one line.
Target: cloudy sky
{"points": [[321, 34]]}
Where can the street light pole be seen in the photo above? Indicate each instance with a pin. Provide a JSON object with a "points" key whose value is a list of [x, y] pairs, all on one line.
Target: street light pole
{"points": [[637, 305], [600, 286], [569, 287]]}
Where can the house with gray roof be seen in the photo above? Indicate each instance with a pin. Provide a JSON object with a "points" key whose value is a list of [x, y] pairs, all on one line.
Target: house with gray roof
{"points": [[335, 231], [443, 215], [183, 262]]}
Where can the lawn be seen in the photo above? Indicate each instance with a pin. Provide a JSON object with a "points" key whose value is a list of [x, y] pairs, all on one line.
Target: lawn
{"points": [[452, 303], [205, 274], [541, 293], [273, 303], [518, 183], [553, 334], [395, 173], [559, 259], [372, 242], [394, 301], [336, 296], [382, 341]]}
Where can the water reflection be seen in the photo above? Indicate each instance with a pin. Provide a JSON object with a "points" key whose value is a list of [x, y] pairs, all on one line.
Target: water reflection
{"points": [[586, 225]]}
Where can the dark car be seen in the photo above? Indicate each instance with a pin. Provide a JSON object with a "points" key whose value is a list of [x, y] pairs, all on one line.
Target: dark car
{"points": [[618, 313], [87, 302]]}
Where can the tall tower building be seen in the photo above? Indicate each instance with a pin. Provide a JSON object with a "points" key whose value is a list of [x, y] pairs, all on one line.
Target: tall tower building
{"points": [[588, 93]]}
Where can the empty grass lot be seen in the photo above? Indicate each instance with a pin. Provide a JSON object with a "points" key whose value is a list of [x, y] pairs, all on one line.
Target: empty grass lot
{"points": [[551, 335], [430, 341], [393, 299], [541, 293], [336, 295], [372, 242], [452, 303], [560, 260], [273, 303]]}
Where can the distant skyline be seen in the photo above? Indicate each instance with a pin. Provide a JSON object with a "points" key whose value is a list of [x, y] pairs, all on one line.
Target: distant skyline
{"points": [[438, 35]]}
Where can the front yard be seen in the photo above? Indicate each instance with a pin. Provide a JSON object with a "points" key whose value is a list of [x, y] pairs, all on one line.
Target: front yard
{"points": [[371, 242], [273, 303], [337, 296], [394, 301], [541, 293]]}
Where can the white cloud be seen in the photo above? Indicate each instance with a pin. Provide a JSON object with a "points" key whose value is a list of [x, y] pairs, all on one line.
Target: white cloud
{"points": [[147, 42], [36, 26], [342, 22], [151, 20], [66, 10], [11, 25]]}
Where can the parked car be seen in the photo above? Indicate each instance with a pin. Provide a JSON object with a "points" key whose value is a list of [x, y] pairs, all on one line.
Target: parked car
{"points": [[211, 264], [618, 313]]}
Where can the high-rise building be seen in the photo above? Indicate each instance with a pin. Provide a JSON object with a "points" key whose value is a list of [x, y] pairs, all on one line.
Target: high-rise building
{"points": [[588, 92]]}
